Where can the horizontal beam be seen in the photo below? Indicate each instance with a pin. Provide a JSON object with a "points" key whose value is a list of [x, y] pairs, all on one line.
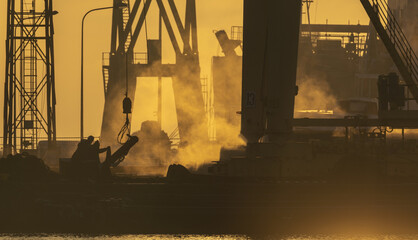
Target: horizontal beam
{"points": [[28, 38], [335, 28], [327, 122], [31, 25]]}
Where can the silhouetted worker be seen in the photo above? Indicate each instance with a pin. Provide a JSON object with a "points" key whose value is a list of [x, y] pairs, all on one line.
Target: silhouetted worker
{"points": [[96, 150], [85, 149], [92, 160], [81, 155]]}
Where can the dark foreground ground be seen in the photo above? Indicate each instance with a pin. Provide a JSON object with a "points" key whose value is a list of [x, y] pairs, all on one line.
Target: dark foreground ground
{"points": [[154, 205]]}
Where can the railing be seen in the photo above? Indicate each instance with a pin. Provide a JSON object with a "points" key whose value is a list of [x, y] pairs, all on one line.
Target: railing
{"points": [[395, 41], [139, 58], [237, 33]]}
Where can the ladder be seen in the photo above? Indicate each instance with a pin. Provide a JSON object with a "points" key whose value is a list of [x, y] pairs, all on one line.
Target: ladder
{"points": [[29, 80], [392, 36]]}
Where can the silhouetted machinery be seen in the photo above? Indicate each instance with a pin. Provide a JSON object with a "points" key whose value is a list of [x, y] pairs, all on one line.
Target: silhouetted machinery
{"points": [[117, 157], [85, 163], [228, 45], [270, 50], [391, 92]]}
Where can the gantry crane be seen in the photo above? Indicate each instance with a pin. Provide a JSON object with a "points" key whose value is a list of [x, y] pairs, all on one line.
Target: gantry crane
{"points": [[124, 68]]}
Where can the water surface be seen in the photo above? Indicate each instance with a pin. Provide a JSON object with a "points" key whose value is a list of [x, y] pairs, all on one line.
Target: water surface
{"points": [[202, 237]]}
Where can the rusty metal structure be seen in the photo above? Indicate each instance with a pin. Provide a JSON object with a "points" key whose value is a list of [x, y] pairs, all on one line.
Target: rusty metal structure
{"points": [[30, 76], [125, 66], [269, 68]]}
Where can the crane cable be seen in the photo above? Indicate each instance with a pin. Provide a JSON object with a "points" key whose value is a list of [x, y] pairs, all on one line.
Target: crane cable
{"points": [[127, 109], [127, 103]]}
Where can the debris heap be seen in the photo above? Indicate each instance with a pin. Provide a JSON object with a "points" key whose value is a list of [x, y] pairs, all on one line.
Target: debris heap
{"points": [[24, 167]]}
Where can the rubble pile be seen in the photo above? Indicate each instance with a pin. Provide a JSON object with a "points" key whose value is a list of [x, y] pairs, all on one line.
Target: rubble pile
{"points": [[24, 167]]}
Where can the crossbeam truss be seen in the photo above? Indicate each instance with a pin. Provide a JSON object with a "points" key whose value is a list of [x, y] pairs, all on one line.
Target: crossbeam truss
{"points": [[29, 90], [185, 72]]}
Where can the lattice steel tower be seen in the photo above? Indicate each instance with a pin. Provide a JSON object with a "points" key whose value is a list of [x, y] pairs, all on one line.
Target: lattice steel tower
{"points": [[29, 89]]}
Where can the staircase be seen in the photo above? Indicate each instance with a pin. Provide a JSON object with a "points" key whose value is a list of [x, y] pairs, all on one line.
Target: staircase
{"points": [[395, 42], [126, 12], [105, 70]]}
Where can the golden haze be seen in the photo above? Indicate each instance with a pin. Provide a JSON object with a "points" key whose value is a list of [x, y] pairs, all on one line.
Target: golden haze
{"points": [[212, 15]]}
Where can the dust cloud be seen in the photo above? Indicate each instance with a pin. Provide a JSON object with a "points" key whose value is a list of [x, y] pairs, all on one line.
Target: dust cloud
{"points": [[314, 94], [228, 134], [198, 149], [184, 106]]}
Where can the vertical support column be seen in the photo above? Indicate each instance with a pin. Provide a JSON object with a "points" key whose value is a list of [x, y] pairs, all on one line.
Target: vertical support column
{"points": [[187, 86], [160, 83], [271, 36], [7, 141], [29, 47], [160, 104], [253, 77], [281, 67], [191, 24], [48, 69]]}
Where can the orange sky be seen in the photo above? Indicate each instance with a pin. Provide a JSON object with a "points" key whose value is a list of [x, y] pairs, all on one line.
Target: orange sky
{"points": [[212, 15]]}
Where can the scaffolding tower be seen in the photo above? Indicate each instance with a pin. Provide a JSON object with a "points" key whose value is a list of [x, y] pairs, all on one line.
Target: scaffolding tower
{"points": [[29, 88]]}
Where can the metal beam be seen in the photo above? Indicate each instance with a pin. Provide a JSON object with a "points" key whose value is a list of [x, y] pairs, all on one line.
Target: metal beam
{"points": [[327, 122], [335, 28], [191, 23], [137, 28], [128, 27], [114, 34], [169, 27], [183, 33], [119, 16]]}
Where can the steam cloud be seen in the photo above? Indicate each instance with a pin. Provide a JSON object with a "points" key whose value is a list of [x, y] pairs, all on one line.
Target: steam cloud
{"points": [[314, 94]]}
